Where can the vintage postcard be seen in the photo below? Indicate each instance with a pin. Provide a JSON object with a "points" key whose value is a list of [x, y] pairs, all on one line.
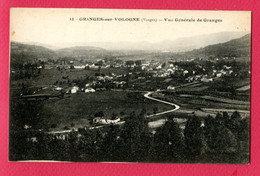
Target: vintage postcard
{"points": [[150, 86]]}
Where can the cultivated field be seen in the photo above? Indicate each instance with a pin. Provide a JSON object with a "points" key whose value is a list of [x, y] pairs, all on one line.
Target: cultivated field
{"points": [[77, 108]]}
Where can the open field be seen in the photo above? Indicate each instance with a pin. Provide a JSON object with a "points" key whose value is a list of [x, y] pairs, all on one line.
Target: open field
{"points": [[196, 102], [50, 76], [244, 88], [239, 95], [80, 106]]}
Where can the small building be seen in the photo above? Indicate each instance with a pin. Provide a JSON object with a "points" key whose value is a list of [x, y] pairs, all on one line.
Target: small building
{"points": [[74, 89], [104, 121], [171, 87], [170, 71], [218, 74], [79, 66], [159, 67], [206, 79], [185, 72], [27, 126], [89, 90], [190, 79], [58, 88]]}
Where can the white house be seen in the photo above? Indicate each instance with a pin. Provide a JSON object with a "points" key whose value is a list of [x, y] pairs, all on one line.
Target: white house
{"points": [[159, 67], [89, 90], [185, 72], [74, 89], [171, 87], [79, 66], [219, 74], [104, 121], [204, 79], [57, 88], [170, 71]]}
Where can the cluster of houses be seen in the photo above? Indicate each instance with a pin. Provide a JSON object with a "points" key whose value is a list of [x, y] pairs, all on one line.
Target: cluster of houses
{"points": [[214, 74], [105, 121], [141, 71], [99, 83], [75, 89]]}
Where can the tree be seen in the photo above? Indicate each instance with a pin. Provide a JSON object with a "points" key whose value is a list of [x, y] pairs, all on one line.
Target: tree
{"points": [[54, 125], [60, 149], [138, 62], [73, 148], [168, 143], [234, 124], [90, 146], [19, 146], [99, 114], [194, 138], [113, 116], [129, 63], [220, 139], [223, 140], [110, 144], [209, 127], [90, 119], [226, 117], [134, 138], [236, 115], [155, 110], [220, 119], [163, 65], [122, 113], [43, 147]]}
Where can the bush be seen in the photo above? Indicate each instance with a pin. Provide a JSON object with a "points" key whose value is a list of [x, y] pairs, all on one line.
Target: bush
{"points": [[53, 125], [66, 128], [99, 114]]}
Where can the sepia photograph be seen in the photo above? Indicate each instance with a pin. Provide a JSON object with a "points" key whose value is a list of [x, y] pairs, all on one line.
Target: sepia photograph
{"points": [[139, 86]]}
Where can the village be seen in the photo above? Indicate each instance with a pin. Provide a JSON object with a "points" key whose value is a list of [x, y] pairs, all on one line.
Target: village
{"points": [[77, 100], [85, 88], [96, 97], [139, 73], [188, 75]]}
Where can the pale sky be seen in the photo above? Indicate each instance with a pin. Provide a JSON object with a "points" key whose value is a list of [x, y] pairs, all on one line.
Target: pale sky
{"points": [[50, 26]]}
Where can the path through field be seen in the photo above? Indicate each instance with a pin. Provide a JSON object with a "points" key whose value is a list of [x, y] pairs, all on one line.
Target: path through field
{"points": [[160, 122]]}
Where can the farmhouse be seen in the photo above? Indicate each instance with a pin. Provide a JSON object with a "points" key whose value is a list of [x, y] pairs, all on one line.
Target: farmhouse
{"points": [[74, 89], [185, 72], [93, 67], [58, 88], [189, 79], [89, 90], [171, 87], [104, 121], [204, 79], [218, 74]]}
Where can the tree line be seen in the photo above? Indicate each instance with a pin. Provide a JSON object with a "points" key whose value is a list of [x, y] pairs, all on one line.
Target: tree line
{"points": [[220, 139]]}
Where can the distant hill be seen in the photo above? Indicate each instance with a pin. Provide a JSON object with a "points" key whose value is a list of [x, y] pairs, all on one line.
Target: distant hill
{"points": [[196, 42], [52, 47], [234, 48], [21, 53], [80, 51], [179, 45]]}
